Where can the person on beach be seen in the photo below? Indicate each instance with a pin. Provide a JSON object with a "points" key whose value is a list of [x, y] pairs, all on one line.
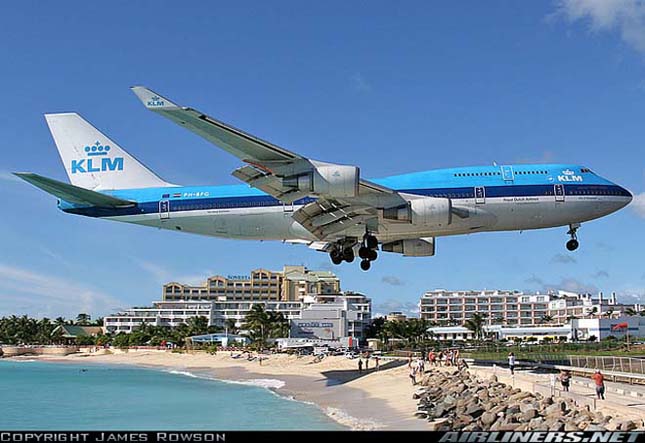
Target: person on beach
{"points": [[440, 358], [455, 357], [599, 379], [511, 363], [565, 380], [376, 361], [413, 374], [432, 358], [367, 363], [360, 365], [421, 366], [448, 357]]}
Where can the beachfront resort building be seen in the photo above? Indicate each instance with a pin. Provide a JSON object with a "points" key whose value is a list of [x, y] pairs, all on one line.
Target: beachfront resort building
{"points": [[516, 308], [296, 292], [290, 284]]}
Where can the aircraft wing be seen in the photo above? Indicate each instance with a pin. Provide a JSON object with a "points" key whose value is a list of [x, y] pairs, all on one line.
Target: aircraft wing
{"points": [[343, 198]]}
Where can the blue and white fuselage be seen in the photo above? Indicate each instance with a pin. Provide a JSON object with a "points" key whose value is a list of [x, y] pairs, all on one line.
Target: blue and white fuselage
{"points": [[517, 197]]}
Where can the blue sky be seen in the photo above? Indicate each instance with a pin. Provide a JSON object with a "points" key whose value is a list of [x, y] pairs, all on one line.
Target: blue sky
{"points": [[391, 86]]}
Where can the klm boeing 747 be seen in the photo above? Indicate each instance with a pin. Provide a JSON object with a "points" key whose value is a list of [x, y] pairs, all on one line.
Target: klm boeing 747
{"points": [[327, 206]]}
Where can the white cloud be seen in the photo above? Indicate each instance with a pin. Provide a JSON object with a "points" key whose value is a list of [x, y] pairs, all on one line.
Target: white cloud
{"points": [[625, 16], [638, 204], [392, 280], [566, 284], [410, 309], [563, 258], [164, 275], [360, 83], [24, 291], [601, 274]]}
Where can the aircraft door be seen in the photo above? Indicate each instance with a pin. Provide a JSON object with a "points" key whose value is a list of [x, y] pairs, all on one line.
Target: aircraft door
{"points": [[558, 191], [164, 209], [480, 195], [507, 173], [287, 207]]}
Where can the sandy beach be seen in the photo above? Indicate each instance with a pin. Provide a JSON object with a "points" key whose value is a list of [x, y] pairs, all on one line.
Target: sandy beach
{"points": [[373, 400]]}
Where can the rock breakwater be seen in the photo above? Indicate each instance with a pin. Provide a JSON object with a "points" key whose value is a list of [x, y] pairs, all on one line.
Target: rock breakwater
{"points": [[458, 400]]}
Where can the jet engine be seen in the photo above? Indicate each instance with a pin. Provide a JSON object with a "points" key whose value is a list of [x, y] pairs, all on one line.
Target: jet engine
{"points": [[326, 179], [418, 247], [426, 211]]}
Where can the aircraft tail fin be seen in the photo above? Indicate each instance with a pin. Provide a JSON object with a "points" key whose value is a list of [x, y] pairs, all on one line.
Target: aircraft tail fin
{"points": [[73, 194], [94, 161]]}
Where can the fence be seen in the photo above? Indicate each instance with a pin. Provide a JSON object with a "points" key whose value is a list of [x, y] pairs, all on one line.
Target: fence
{"points": [[607, 363]]}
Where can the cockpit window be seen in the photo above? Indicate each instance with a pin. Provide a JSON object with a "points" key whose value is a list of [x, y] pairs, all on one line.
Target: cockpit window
{"points": [[586, 170]]}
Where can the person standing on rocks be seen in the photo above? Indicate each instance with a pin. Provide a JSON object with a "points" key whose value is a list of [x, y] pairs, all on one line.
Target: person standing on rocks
{"points": [[599, 379], [511, 362], [432, 358], [565, 380]]}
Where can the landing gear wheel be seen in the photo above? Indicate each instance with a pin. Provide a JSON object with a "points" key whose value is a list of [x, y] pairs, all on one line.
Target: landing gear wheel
{"points": [[363, 252], [348, 255], [336, 257], [372, 255], [371, 242], [572, 244], [365, 265]]}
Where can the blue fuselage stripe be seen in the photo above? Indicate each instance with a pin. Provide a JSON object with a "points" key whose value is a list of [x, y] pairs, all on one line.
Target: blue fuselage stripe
{"points": [[257, 201]]}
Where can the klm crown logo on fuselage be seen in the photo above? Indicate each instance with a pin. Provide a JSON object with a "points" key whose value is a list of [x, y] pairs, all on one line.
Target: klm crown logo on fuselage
{"points": [[155, 102], [569, 176], [97, 160]]}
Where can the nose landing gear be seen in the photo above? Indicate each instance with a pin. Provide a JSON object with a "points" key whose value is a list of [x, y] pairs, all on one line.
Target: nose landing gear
{"points": [[573, 244]]}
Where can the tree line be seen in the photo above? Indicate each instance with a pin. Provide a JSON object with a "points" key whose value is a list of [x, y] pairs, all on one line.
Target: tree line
{"points": [[260, 326]]}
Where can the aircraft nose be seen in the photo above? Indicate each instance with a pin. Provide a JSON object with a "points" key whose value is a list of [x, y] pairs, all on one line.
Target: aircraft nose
{"points": [[628, 196]]}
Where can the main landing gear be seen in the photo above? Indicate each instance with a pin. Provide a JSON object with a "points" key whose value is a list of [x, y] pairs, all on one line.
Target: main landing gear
{"points": [[573, 244], [344, 251], [367, 251]]}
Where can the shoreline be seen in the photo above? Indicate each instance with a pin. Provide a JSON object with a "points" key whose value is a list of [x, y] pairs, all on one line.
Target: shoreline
{"points": [[369, 401]]}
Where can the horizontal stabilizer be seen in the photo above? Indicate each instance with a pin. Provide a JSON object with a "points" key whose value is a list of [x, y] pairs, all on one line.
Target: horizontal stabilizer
{"points": [[73, 194]]}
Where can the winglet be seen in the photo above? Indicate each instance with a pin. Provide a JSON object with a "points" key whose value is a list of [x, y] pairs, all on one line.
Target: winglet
{"points": [[151, 99]]}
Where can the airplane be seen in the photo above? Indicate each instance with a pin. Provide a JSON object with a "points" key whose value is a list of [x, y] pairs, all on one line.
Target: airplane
{"points": [[329, 207]]}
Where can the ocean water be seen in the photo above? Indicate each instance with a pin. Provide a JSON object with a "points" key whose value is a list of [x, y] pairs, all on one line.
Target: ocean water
{"points": [[55, 396]]}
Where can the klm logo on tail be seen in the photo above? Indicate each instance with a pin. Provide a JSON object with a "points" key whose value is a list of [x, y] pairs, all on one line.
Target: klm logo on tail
{"points": [[95, 164], [155, 102]]}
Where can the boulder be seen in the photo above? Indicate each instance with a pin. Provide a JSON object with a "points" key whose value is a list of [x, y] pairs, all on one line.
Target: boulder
{"points": [[488, 418]]}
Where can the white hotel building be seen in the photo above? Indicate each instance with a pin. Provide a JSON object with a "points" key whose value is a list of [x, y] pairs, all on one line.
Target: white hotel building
{"points": [[516, 308], [295, 292]]}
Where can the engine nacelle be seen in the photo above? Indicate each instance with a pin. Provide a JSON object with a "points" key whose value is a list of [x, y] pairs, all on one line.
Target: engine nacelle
{"points": [[327, 179], [428, 211], [418, 247]]}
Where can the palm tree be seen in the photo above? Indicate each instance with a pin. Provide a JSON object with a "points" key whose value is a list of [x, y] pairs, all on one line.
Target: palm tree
{"points": [[83, 319], [257, 325], [278, 325], [197, 325], [60, 321], [630, 312], [231, 326], [476, 325]]}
